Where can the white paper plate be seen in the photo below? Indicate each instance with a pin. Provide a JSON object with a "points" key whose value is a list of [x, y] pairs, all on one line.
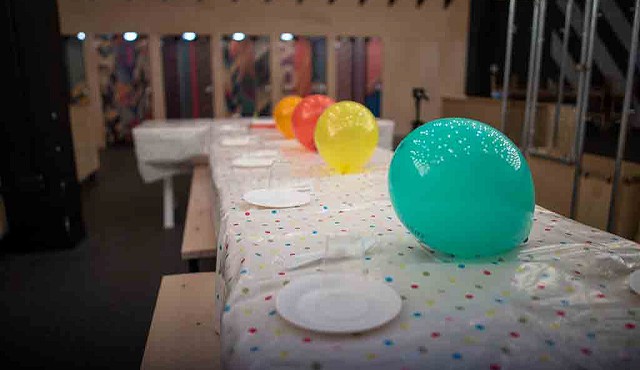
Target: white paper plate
{"points": [[276, 198], [236, 141], [634, 281], [337, 303], [262, 153], [252, 162], [231, 128]]}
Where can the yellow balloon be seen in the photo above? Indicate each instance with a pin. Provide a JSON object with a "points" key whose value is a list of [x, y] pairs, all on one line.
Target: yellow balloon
{"points": [[346, 136], [283, 112]]}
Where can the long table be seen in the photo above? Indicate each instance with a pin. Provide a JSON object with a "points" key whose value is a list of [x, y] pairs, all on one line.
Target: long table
{"points": [[167, 147], [561, 300]]}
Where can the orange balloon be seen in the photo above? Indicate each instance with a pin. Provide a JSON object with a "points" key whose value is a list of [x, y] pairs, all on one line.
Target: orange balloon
{"points": [[305, 117], [284, 110]]}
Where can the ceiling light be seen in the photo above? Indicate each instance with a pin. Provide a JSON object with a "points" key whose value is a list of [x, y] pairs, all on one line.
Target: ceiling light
{"points": [[286, 36], [189, 36], [81, 36], [130, 36], [238, 36]]}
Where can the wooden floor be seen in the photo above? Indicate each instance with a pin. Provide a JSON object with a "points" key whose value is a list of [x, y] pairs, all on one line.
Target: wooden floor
{"points": [[182, 332]]}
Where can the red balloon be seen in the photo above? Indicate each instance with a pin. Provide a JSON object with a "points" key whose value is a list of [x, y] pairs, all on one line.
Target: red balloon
{"points": [[305, 117]]}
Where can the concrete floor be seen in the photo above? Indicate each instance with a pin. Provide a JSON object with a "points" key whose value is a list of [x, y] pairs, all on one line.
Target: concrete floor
{"points": [[91, 306]]}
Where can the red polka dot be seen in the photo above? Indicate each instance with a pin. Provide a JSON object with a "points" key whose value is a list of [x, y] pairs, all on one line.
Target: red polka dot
{"points": [[514, 334], [267, 232], [448, 318], [588, 242], [247, 213], [268, 298], [468, 296], [435, 334], [495, 367], [547, 229], [281, 273], [486, 272], [306, 340], [343, 230], [277, 220], [560, 313], [292, 254], [414, 286], [586, 351], [630, 325], [540, 286], [576, 272], [554, 220], [252, 330]]}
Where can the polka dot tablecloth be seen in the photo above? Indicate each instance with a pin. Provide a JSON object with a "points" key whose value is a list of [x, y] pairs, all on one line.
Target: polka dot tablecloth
{"points": [[561, 300]]}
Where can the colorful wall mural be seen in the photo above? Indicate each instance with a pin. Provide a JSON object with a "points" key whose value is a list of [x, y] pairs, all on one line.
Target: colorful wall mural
{"points": [[124, 73], [303, 62], [247, 76]]}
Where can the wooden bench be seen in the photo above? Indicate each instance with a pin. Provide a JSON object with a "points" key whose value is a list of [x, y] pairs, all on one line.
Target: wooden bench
{"points": [[199, 238], [182, 334]]}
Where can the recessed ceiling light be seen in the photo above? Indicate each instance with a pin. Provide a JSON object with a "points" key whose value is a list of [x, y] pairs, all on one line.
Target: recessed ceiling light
{"points": [[130, 36], [189, 36], [81, 36], [286, 36], [238, 36]]}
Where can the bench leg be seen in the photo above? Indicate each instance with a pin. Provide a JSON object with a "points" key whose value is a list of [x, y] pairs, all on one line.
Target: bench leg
{"points": [[168, 202], [194, 266]]}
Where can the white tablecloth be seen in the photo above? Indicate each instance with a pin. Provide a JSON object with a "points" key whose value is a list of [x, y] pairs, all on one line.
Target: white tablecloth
{"points": [[165, 147], [559, 301]]}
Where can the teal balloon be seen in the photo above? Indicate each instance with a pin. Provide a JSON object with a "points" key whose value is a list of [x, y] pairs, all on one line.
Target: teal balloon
{"points": [[462, 187]]}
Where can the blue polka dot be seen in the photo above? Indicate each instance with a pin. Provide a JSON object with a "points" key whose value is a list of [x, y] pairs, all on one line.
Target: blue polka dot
{"points": [[388, 279], [258, 254], [461, 266], [272, 312], [479, 326], [591, 335], [314, 232], [499, 300], [227, 308], [388, 342], [550, 342], [564, 302], [254, 349], [417, 314], [456, 356], [325, 207], [274, 211], [287, 244], [368, 258]]}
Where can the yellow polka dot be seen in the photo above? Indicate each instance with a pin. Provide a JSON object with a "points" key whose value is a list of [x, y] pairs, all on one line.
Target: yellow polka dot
{"points": [[468, 339], [430, 302], [405, 326], [545, 357], [506, 293], [490, 313], [261, 266], [242, 250], [277, 332], [569, 289], [452, 280], [520, 269], [371, 356], [284, 354], [554, 325], [402, 266], [248, 311]]}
